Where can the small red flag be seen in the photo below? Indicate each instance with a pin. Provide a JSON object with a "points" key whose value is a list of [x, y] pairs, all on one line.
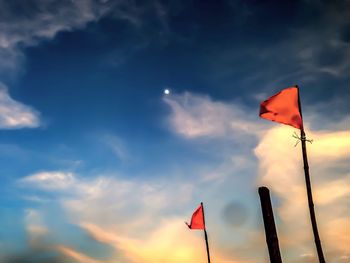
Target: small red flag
{"points": [[283, 107], [197, 220]]}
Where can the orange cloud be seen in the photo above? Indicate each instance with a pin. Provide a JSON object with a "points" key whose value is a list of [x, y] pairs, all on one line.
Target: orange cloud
{"points": [[171, 242], [75, 255]]}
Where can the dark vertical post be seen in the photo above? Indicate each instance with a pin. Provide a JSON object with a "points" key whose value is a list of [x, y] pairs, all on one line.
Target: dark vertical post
{"points": [[309, 192], [205, 235], [269, 223]]}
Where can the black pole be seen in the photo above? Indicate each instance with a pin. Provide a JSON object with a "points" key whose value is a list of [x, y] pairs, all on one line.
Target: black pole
{"points": [[205, 235], [269, 223], [309, 192]]}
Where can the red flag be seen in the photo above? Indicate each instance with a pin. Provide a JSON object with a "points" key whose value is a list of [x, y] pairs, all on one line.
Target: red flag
{"points": [[197, 220], [283, 107]]}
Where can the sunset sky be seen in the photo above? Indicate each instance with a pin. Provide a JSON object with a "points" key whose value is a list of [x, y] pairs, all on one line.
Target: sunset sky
{"points": [[99, 164]]}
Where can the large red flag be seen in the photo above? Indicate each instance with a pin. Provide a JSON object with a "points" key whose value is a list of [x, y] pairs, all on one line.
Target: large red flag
{"points": [[283, 107], [197, 220]]}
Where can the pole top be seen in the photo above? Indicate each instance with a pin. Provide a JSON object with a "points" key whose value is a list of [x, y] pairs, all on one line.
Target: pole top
{"points": [[263, 189]]}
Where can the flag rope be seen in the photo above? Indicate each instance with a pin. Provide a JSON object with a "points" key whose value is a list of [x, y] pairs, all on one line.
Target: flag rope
{"points": [[299, 139]]}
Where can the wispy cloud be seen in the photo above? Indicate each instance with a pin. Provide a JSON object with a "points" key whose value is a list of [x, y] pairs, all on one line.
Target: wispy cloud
{"points": [[15, 115], [314, 54], [116, 145], [77, 256], [196, 115], [49, 180], [42, 20], [27, 24], [87, 195]]}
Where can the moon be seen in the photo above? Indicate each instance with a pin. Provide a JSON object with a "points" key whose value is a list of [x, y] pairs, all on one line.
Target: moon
{"points": [[166, 91]]}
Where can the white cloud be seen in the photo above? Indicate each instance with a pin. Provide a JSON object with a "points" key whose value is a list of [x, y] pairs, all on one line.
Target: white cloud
{"points": [[49, 180], [132, 204], [89, 197], [199, 116], [15, 115]]}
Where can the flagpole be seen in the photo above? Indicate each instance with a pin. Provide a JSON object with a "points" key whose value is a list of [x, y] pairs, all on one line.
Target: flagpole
{"points": [[205, 234], [308, 188]]}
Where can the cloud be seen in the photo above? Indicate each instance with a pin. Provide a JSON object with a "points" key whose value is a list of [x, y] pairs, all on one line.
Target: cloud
{"points": [[281, 170], [125, 198], [138, 209], [76, 256], [196, 115], [36, 20], [28, 24], [116, 145], [141, 216], [330, 145], [170, 242], [131, 204], [42, 246], [15, 115], [49, 180], [50, 254], [309, 50]]}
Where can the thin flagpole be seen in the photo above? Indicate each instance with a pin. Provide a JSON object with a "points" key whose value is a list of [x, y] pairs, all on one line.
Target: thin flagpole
{"points": [[309, 192], [205, 234]]}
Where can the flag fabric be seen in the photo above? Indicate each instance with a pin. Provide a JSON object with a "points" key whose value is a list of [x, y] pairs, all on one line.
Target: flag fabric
{"points": [[197, 220], [283, 107]]}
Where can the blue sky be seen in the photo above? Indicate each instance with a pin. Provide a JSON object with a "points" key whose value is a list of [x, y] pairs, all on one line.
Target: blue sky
{"points": [[99, 165]]}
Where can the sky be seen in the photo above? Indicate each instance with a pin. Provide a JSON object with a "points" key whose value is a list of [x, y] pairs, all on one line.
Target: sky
{"points": [[99, 165]]}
